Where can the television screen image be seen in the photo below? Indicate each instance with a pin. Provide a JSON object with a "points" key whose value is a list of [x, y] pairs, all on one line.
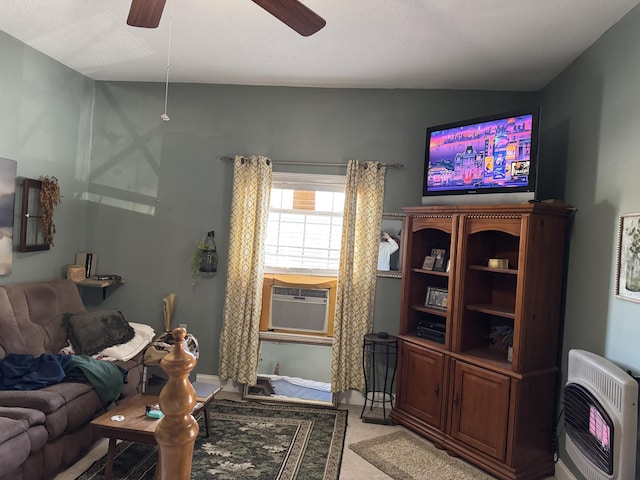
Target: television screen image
{"points": [[490, 155]]}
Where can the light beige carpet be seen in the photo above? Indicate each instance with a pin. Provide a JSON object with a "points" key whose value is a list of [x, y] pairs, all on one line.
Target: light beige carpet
{"points": [[404, 456]]}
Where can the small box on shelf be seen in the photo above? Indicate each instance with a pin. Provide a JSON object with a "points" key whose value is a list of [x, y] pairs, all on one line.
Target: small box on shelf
{"points": [[498, 263]]}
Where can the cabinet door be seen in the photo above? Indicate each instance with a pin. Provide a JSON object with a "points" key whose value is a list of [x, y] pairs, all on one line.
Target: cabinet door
{"points": [[480, 409], [421, 389]]}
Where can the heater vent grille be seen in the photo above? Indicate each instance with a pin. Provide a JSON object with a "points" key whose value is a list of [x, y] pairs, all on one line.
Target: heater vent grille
{"points": [[601, 413], [589, 426], [609, 387]]}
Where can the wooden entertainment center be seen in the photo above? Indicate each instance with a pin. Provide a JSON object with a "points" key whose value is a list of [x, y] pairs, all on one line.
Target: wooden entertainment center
{"points": [[455, 386]]}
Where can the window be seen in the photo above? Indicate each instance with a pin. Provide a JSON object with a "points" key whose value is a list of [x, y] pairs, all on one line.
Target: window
{"points": [[305, 223]]}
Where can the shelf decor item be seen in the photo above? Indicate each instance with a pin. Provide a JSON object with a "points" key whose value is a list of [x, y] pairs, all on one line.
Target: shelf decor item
{"points": [[76, 273], [49, 199], [498, 263], [428, 263], [204, 259], [441, 258], [502, 337], [628, 258], [437, 298]]}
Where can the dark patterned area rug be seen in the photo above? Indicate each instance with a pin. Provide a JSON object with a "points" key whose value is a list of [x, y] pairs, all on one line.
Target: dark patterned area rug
{"points": [[249, 441]]}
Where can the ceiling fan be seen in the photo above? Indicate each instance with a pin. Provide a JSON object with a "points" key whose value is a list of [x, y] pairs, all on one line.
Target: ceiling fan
{"points": [[147, 14]]}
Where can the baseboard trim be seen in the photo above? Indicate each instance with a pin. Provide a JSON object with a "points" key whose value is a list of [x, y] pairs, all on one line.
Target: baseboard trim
{"points": [[227, 386], [205, 378], [352, 397], [562, 472]]}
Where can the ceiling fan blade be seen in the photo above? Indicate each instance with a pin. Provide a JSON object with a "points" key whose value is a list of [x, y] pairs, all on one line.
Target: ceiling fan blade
{"points": [[145, 13], [294, 14]]}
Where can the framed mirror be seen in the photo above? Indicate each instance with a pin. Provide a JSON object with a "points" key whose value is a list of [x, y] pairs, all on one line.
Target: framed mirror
{"points": [[293, 368], [390, 251]]}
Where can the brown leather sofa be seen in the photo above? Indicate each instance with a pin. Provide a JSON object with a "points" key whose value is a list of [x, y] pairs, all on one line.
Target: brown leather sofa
{"points": [[43, 431]]}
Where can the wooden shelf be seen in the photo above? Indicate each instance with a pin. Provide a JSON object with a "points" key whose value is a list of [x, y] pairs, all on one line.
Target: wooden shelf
{"points": [[103, 284], [413, 338], [430, 272], [509, 271], [493, 310], [433, 311], [491, 355]]}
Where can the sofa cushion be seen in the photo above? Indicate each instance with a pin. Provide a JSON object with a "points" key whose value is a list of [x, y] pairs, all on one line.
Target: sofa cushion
{"points": [[21, 433], [15, 444], [92, 332], [47, 399], [67, 406], [28, 416], [31, 322], [10, 428], [11, 340]]}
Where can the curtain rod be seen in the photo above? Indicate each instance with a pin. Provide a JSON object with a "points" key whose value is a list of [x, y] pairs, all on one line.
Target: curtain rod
{"points": [[284, 162]]}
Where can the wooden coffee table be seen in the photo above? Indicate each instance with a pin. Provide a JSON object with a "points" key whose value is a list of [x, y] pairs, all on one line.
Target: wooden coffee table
{"points": [[137, 427], [134, 427]]}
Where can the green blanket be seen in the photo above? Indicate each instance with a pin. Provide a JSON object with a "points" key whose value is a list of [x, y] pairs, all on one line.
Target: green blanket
{"points": [[105, 377]]}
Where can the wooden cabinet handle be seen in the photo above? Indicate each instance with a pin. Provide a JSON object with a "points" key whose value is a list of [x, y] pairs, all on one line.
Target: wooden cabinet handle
{"points": [[436, 390], [456, 399]]}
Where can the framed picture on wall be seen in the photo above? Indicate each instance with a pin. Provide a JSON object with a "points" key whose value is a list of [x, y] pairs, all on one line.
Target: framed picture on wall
{"points": [[628, 258]]}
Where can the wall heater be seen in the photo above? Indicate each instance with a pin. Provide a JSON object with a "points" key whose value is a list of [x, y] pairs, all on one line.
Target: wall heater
{"points": [[600, 417]]}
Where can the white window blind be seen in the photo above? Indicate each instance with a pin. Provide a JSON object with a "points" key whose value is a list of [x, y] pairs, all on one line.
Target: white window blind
{"points": [[305, 223]]}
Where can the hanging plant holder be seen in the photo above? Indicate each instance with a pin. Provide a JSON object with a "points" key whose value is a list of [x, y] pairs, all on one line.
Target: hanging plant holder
{"points": [[204, 259]]}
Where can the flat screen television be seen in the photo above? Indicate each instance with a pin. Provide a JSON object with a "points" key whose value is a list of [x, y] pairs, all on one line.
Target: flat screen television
{"points": [[492, 159]]}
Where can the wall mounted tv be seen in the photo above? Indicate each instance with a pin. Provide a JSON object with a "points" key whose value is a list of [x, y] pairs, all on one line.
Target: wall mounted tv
{"points": [[491, 159]]}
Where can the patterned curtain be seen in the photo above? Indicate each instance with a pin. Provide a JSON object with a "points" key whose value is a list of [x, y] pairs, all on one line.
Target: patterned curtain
{"points": [[243, 297], [355, 293]]}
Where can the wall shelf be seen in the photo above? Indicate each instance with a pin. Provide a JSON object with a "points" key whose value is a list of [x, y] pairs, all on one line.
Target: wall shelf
{"points": [[103, 284]]}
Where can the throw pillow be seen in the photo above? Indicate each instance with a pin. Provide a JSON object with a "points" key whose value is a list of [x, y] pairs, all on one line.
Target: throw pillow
{"points": [[91, 332]]}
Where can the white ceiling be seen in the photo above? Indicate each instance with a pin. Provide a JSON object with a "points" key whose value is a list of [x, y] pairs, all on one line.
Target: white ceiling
{"points": [[458, 44]]}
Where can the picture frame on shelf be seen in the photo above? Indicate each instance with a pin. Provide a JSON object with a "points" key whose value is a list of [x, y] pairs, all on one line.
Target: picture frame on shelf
{"points": [[628, 258], [437, 298], [428, 263], [441, 257]]}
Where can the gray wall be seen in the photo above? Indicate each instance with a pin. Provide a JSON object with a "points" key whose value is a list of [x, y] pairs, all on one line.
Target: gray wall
{"points": [[593, 112], [156, 188], [159, 187], [45, 126], [591, 122]]}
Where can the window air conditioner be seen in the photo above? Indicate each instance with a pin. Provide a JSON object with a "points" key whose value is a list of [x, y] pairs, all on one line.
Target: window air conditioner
{"points": [[299, 309]]}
